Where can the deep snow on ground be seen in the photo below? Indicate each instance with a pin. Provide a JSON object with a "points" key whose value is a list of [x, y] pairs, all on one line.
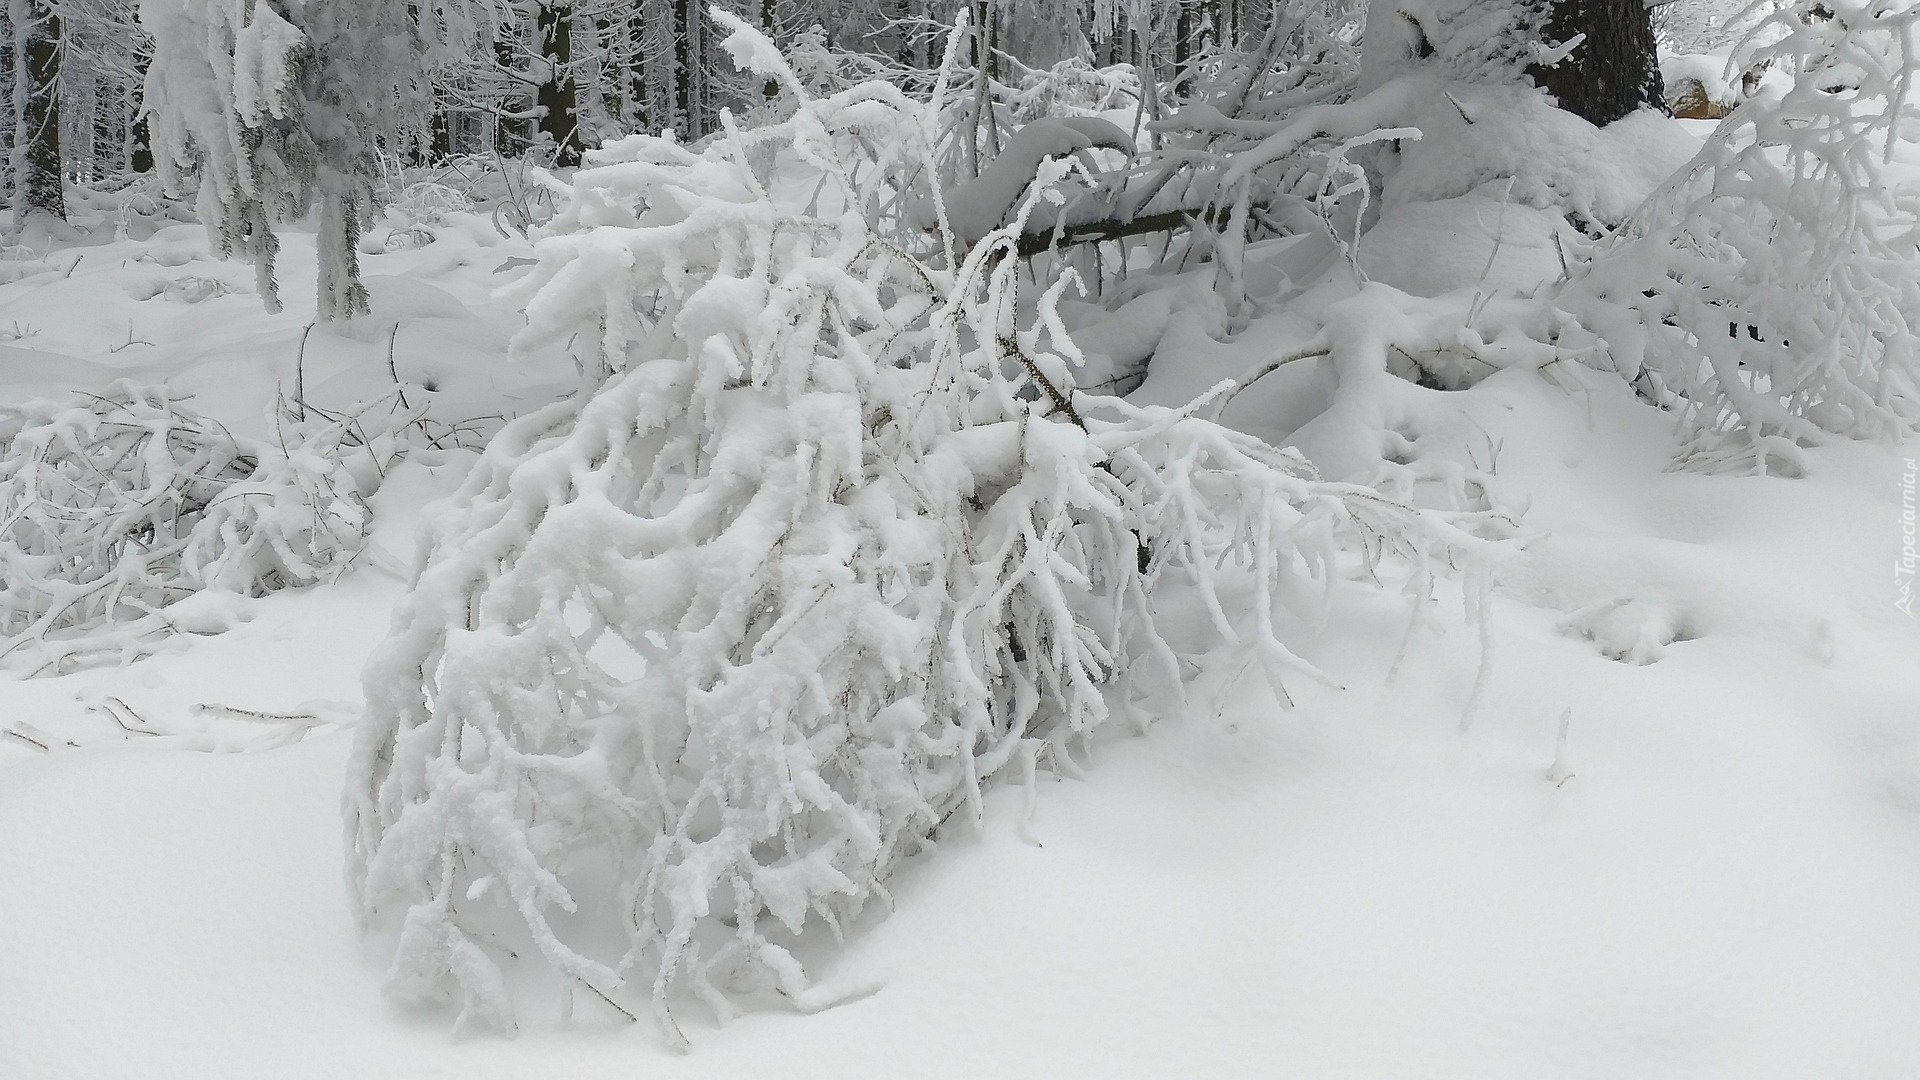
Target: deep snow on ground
{"points": [[1727, 884]]}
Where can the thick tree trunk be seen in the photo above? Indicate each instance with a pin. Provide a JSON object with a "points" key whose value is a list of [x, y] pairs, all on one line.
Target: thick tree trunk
{"points": [[1614, 71], [607, 76], [903, 52], [559, 97], [106, 137], [986, 38], [40, 181]]}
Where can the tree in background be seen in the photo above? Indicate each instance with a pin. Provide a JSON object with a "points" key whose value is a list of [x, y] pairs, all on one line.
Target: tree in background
{"points": [[559, 94], [37, 44], [274, 114]]}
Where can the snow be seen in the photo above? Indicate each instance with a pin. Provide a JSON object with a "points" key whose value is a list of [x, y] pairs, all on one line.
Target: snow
{"points": [[264, 52], [1477, 134], [1484, 238], [1723, 887], [1679, 838]]}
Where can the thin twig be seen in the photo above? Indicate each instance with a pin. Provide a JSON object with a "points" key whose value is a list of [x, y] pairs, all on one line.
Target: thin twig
{"points": [[253, 714], [1061, 403], [35, 743], [1312, 350], [394, 371], [603, 997], [300, 373], [113, 706]]}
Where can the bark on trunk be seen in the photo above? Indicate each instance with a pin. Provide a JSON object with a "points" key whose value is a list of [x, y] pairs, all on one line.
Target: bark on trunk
{"points": [[685, 12], [1185, 41], [40, 182], [559, 97], [1614, 71], [509, 138], [140, 140], [638, 110]]}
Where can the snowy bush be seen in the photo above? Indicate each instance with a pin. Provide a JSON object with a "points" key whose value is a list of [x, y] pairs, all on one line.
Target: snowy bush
{"points": [[1772, 290], [1074, 87], [829, 542], [120, 508], [428, 202]]}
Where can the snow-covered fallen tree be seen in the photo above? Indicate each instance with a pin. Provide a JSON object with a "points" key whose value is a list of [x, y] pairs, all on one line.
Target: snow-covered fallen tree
{"points": [[830, 542], [125, 518]]}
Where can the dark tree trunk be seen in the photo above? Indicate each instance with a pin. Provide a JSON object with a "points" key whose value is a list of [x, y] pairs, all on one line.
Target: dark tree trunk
{"points": [[986, 38], [106, 152], [140, 141], [440, 132], [1614, 71], [903, 51], [684, 14], [559, 97], [638, 115], [40, 185], [769, 26], [509, 139], [140, 153], [1186, 37], [607, 70]]}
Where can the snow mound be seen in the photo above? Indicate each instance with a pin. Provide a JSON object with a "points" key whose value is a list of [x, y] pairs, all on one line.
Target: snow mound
{"points": [[1481, 239], [1475, 134]]}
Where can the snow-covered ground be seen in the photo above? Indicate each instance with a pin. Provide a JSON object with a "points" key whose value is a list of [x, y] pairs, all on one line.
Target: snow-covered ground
{"points": [[1717, 876]]}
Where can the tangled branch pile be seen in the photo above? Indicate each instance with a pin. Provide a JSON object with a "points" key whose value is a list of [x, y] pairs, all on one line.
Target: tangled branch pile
{"points": [[127, 517]]}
